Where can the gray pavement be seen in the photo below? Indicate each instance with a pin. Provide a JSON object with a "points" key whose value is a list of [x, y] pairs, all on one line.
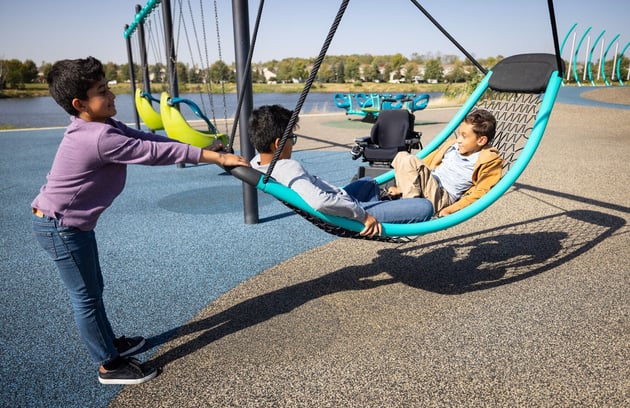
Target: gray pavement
{"points": [[527, 304]]}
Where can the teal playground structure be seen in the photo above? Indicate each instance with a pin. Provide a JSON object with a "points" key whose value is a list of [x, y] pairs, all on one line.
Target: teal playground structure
{"points": [[370, 105], [615, 67]]}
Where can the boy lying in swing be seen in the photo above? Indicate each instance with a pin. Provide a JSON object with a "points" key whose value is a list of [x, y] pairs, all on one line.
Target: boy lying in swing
{"points": [[360, 200], [456, 174]]}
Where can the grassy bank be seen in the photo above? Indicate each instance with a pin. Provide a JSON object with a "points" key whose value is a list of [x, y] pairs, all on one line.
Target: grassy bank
{"points": [[33, 90]]}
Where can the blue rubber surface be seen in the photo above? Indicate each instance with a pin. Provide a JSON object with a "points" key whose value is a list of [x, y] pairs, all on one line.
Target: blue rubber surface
{"points": [[171, 243], [572, 95]]}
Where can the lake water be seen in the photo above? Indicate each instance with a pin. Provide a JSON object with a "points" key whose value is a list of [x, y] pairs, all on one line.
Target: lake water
{"points": [[44, 112]]}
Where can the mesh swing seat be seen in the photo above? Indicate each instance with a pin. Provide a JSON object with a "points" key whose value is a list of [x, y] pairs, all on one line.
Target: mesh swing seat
{"points": [[520, 91]]}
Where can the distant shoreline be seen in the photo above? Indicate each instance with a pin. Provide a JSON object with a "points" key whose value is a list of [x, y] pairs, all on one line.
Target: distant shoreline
{"points": [[40, 90]]}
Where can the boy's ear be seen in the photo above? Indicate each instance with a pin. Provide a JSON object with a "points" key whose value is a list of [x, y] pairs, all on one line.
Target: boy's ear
{"points": [[77, 104], [482, 141], [275, 144]]}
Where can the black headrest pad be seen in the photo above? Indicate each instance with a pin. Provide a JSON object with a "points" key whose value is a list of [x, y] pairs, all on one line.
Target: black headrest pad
{"points": [[526, 73]]}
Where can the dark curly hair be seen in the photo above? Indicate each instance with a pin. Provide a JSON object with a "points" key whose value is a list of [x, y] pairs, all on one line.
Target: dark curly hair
{"points": [[267, 124], [483, 122], [70, 79]]}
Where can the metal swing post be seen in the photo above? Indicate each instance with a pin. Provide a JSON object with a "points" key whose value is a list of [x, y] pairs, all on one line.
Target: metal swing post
{"points": [[132, 77], [240, 13]]}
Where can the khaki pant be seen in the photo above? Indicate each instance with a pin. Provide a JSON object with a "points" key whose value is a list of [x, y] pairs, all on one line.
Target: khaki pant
{"points": [[414, 179]]}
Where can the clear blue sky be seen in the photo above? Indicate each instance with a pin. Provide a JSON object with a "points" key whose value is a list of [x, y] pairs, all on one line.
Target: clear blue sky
{"points": [[47, 30]]}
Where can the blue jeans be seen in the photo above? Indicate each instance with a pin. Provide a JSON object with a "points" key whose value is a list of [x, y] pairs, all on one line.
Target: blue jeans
{"points": [[76, 256], [407, 211]]}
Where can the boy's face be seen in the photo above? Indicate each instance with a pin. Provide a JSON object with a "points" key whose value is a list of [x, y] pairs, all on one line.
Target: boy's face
{"points": [[468, 141], [288, 147], [99, 104], [287, 150]]}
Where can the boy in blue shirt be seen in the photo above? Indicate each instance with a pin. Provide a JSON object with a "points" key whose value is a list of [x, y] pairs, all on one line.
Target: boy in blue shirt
{"points": [[456, 174]]}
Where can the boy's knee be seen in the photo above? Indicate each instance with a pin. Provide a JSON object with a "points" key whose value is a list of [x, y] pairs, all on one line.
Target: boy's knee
{"points": [[404, 160], [400, 157]]}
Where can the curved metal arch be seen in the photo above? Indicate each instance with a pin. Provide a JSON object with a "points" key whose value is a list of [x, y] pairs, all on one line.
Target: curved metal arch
{"points": [[566, 37], [590, 57], [575, 56], [603, 61], [618, 69]]}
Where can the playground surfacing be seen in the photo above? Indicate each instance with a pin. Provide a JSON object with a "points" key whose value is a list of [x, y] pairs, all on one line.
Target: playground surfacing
{"points": [[526, 304]]}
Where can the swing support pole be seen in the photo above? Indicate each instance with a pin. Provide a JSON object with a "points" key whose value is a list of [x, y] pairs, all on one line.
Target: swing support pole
{"points": [[171, 57], [132, 78], [143, 54], [240, 14]]}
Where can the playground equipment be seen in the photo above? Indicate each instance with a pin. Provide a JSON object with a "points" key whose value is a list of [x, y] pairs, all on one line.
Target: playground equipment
{"points": [[617, 59], [520, 91], [370, 105]]}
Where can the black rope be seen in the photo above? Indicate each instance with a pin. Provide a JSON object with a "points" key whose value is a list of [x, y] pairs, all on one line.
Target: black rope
{"points": [[307, 87], [554, 30], [246, 71], [443, 30]]}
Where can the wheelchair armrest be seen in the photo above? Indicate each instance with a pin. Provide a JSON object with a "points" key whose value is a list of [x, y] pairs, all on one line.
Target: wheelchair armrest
{"points": [[362, 141], [414, 140]]}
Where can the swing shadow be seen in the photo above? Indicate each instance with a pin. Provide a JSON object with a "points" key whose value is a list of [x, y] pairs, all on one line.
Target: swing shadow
{"points": [[477, 261]]}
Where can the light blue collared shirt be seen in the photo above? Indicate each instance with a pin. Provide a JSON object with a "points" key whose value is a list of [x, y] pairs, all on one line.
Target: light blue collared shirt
{"points": [[455, 172]]}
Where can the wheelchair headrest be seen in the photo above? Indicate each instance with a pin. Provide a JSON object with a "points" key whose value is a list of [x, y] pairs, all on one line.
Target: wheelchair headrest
{"points": [[392, 127]]}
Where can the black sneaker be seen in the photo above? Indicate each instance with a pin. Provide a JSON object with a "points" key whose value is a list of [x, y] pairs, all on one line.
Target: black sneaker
{"points": [[127, 346], [130, 371]]}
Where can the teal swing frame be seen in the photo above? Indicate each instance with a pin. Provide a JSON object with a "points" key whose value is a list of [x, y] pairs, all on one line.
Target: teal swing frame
{"points": [[517, 80], [514, 171]]}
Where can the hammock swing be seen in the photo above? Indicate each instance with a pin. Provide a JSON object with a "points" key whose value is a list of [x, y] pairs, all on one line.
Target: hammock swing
{"points": [[520, 91]]}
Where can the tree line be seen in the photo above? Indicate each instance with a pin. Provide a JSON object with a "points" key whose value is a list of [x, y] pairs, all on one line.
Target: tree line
{"points": [[15, 74]]}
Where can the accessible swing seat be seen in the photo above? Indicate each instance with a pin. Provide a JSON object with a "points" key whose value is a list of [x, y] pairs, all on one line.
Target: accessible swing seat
{"points": [[520, 91], [393, 132], [145, 109], [176, 126]]}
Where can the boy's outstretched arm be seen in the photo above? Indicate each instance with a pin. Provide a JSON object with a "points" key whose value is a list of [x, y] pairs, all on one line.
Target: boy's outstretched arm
{"points": [[222, 159]]}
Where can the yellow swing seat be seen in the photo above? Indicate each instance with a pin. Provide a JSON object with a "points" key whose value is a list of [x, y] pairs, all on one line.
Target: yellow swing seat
{"points": [[149, 116], [177, 127]]}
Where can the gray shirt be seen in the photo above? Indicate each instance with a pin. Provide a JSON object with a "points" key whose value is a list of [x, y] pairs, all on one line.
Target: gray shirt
{"points": [[318, 193]]}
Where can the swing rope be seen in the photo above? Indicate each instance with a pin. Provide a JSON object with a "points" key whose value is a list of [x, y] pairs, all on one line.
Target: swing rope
{"points": [[216, 20], [307, 87], [450, 37], [204, 68]]}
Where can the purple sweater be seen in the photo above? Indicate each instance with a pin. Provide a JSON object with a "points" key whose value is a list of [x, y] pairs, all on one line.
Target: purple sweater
{"points": [[90, 168]]}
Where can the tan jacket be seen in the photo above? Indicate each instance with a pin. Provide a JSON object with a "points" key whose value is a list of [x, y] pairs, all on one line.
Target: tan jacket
{"points": [[486, 173]]}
